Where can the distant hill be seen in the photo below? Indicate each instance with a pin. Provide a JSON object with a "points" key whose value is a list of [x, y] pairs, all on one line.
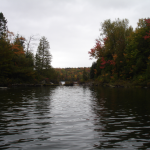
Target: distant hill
{"points": [[72, 74]]}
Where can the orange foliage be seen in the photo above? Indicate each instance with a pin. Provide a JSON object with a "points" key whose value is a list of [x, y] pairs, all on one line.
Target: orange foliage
{"points": [[17, 49], [114, 56], [71, 73], [95, 71]]}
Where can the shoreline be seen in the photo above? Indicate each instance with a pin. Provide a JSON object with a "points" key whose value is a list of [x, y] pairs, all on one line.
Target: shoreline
{"points": [[115, 84], [119, 84]]}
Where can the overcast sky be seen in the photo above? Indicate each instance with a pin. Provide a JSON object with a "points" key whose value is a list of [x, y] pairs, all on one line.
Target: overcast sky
{"points": [[71, 26]]}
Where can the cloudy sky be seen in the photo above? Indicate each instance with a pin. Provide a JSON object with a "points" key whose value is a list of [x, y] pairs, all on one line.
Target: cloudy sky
{"points": [[71, 26]]}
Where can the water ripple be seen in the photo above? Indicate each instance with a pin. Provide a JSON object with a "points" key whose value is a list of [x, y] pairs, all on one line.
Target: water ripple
{"points": [[74, 118]]}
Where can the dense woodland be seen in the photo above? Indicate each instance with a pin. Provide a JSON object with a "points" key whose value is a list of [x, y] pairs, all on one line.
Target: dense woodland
{"points": [[122, 54], [73, 74], [18, 65]]}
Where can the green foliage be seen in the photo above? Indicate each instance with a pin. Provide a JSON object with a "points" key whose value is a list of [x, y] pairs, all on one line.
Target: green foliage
{"points": [[85, 75], [43, 56], [6, 56], [137, 51], [92, 70], [125, 54], [44, 71], [3, 25], [17, 66], [116, 33]]}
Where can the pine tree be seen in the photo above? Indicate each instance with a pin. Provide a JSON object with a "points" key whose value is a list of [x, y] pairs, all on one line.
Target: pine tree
{"points": [[92, 70], [85, 75], [43, 56], [3, 25]]}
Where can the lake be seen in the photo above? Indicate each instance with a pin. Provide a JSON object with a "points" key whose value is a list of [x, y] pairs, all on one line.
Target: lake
{"points": [[74, 118]]}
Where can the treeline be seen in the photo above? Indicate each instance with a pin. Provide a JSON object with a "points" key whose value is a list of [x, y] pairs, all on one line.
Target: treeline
{"points": [[122, 53], [73, 74], [17, 62]]}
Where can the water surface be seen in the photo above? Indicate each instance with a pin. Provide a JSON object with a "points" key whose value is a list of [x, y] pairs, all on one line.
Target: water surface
{"points": [[74, 118]]}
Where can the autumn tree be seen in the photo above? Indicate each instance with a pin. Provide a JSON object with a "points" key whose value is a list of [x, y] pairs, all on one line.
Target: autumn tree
{"points": [[116, 34], [17, 60], [109, 49], [97, 50], [23, 64]]}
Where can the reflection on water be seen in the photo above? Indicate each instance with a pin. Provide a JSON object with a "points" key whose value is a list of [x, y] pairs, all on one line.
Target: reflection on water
{"points": [[122, 118], [74, 118], [24, 116]]}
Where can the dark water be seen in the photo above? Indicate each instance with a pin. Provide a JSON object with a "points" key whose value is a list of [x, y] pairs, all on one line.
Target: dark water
{"points": [[74, 118]]}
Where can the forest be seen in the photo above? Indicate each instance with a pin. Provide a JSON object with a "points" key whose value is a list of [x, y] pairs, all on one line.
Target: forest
{"points": [[122, 56], [18, 65], [122, 53], [74, 74]]}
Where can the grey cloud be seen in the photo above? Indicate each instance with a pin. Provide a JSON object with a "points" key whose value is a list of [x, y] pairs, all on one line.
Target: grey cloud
{"points": [[71, 26]]}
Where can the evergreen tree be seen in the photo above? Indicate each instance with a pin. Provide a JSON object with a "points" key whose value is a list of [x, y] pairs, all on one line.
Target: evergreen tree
{"points": [[5, 59], [43, 56], [92, 70], [85, 75], [3, 24]]}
